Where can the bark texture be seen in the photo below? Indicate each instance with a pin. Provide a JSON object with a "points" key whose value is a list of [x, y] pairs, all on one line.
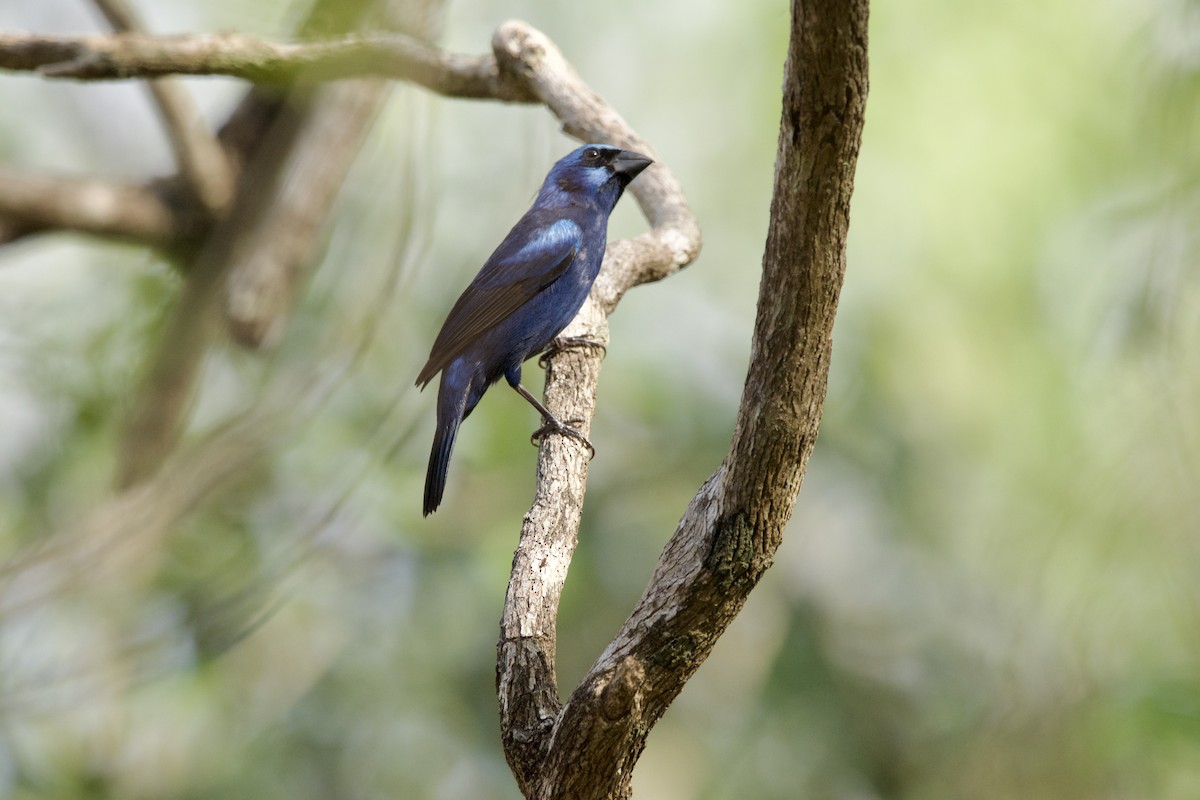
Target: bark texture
{"points": [[587, 747]]}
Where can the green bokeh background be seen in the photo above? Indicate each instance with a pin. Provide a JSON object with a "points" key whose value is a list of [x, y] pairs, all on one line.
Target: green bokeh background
{"points": [[990, 586]]}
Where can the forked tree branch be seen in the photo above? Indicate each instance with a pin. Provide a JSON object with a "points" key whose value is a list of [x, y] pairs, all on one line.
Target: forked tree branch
{"points": [[728, 536], [527, 686], [586, 748]]}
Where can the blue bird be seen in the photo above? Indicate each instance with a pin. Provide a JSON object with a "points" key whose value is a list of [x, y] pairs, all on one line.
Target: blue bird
{"points": [[526, 293]]}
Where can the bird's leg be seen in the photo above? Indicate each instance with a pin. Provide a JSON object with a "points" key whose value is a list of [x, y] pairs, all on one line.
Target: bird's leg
{"points": [[566, 343], [551, 423]]}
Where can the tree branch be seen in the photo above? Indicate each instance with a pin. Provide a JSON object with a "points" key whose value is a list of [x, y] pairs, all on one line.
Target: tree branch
{"points": [[269, 136], [525, 672], [148, 214], [730, 531], [136, 55], [202, 162], [264, 283], [387, 55]]}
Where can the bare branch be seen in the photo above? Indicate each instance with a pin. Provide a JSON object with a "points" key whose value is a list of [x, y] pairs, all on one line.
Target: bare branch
{"points": [[202, 162], [729, 533], [264, 283], [134, 55], [162, 213], [142, 213], [262, 135], [526, 681], [120, 15], [129, 55]]}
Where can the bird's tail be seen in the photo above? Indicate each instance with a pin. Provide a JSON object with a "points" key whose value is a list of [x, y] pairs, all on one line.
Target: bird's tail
{"points": [[439, 464], [450, 415]]}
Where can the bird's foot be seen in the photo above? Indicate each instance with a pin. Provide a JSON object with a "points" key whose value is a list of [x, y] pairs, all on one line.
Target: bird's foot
{"points": [[568, 343], [551, 425]]}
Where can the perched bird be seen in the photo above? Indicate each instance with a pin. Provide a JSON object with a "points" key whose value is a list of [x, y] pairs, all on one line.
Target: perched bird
{"points": [[529, 289]]}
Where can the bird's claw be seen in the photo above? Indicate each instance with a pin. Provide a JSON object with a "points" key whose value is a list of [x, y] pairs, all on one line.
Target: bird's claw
{"points": [[554, 426], [566, 343]]}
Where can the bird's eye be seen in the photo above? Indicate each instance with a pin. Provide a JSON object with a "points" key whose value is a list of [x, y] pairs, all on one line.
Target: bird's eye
{"points": [[591, 154]]}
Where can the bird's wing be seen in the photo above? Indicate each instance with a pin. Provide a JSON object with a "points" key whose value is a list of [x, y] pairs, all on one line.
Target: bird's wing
{"points": [[525, 263]]}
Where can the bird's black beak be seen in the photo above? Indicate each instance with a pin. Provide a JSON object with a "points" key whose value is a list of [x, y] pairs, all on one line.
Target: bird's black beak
{"points": [[628, 164]]}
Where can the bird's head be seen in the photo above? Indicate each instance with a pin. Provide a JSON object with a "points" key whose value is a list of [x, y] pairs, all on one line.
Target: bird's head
{"points": [[595, 171]]}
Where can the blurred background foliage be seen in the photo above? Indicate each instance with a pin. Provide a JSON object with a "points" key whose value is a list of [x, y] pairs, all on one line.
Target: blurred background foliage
{"points": [[991, 587]]}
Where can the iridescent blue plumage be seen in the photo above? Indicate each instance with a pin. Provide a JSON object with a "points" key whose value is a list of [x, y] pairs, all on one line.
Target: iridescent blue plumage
{"points": [[526, 293]]}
